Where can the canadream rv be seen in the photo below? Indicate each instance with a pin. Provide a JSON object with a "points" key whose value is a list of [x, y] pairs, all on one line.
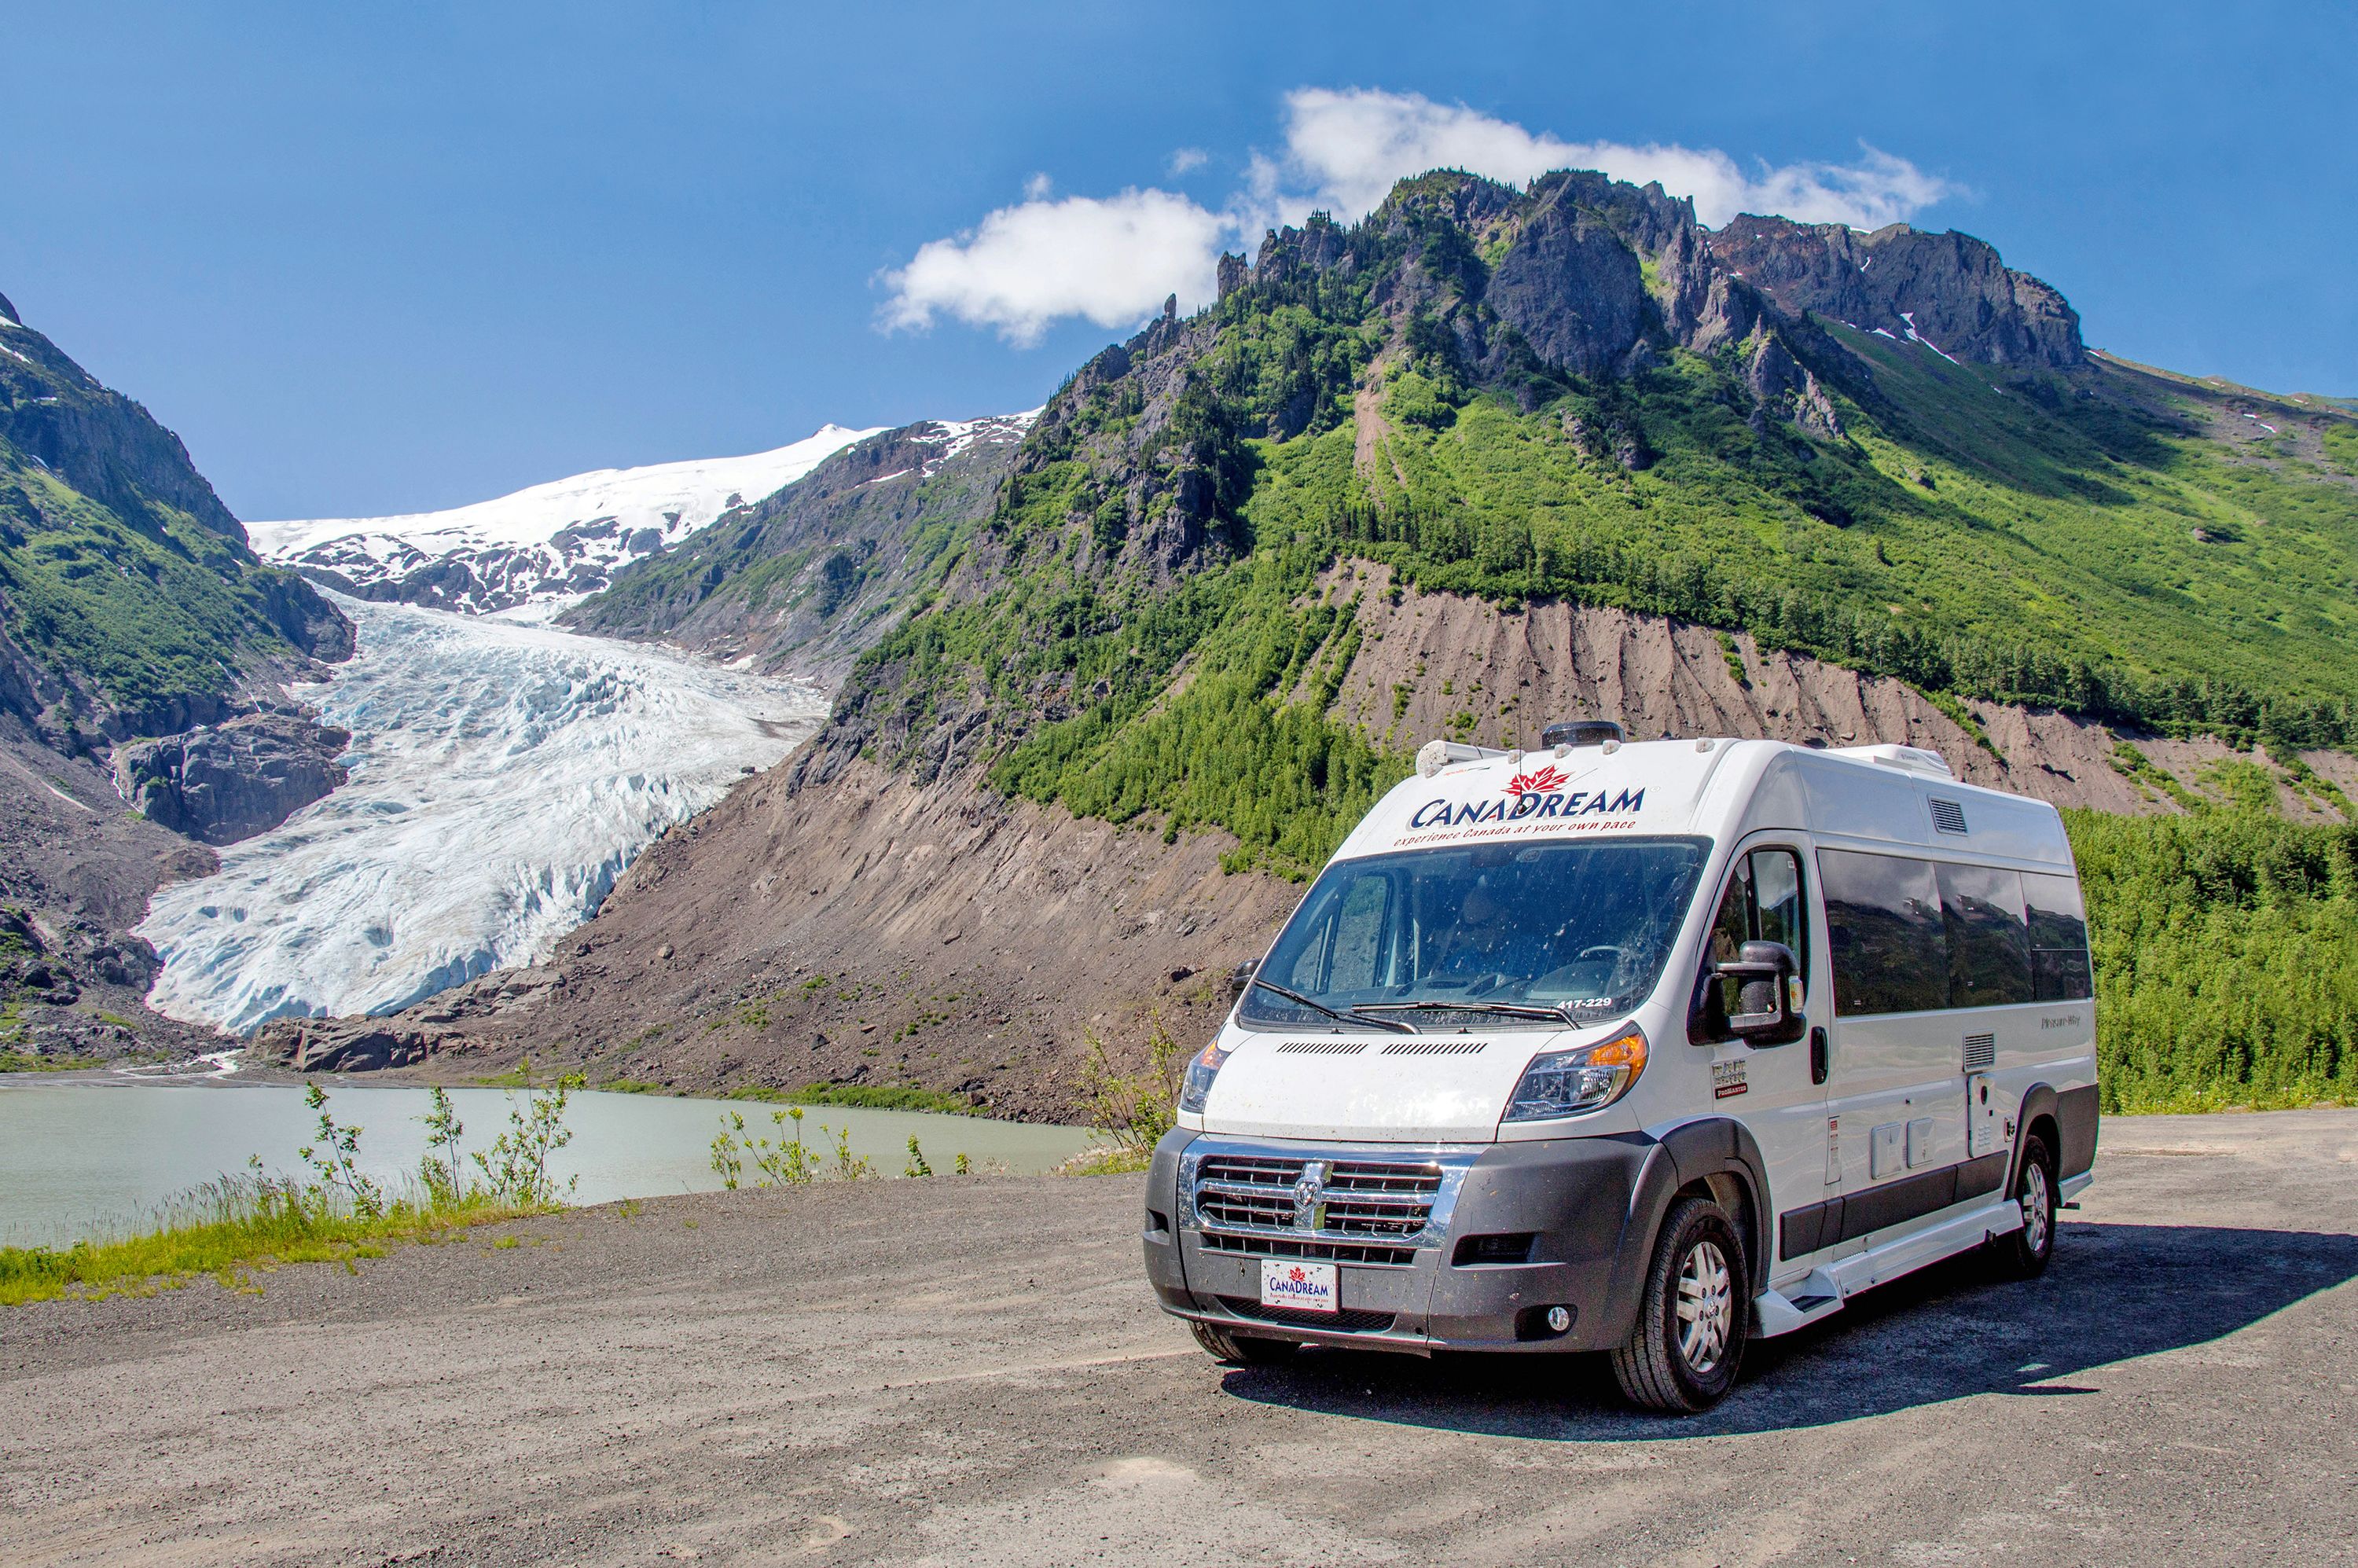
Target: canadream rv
{"points": [[1647, 1048]]}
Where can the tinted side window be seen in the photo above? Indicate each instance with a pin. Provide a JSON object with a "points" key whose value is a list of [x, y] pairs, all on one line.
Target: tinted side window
{"points": [[1763, 903], [1890, 946], [2059, 940], [1989, 952]]}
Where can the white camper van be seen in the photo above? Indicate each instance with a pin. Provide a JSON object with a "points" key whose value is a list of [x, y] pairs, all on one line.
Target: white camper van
{"points": [[1647, 1048]]}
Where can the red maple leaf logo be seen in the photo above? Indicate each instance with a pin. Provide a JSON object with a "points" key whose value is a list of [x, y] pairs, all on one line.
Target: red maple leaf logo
{"points": [[1297, 1276], [1538, 781]]}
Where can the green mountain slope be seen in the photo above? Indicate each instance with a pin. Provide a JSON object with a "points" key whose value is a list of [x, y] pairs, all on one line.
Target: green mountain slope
{"points": [[130, 604], [814, 575], [1139, 624]]}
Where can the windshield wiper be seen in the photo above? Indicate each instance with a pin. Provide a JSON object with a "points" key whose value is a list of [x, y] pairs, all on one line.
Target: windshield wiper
{"points": [[1503, 1009], [1338, 1017]]}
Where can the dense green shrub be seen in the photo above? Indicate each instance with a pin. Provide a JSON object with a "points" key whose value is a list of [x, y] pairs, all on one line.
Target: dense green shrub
{"points": [[2227, 950]]}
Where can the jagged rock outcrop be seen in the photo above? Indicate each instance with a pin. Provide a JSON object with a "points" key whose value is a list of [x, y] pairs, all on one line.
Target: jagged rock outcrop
{"points": [[1582, 276], [1571, 286], [1949, 289], [223, 783], [1787, 389]]}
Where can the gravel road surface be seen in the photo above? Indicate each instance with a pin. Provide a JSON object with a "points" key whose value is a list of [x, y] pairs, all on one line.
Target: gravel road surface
{"points": [[970, 1371]]}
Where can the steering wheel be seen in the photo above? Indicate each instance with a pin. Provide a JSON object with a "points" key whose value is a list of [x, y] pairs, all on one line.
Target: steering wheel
{"points": [[1602, 950]]}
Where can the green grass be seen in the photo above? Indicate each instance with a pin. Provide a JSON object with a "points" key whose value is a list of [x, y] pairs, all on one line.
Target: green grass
{"points": [[27, 1062], [635, 1087], [872, 1096], [229, 1229]]}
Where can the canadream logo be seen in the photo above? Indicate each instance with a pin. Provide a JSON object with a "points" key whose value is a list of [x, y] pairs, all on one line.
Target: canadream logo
{"points": [[1537, 793]]}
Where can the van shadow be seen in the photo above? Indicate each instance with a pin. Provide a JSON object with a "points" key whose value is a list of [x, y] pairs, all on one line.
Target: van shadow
{"points": [[2114, 1292]]}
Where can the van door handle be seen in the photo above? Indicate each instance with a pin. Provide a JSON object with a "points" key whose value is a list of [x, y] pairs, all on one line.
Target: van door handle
{"points": [[1820, 1066]]}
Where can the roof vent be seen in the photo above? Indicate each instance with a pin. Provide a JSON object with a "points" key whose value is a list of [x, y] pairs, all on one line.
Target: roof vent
{"points": [[1948, 816], [1580, 732]]}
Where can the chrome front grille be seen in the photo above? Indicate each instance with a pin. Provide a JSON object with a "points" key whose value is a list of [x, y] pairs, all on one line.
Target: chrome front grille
{"points": [[1320, 1252], [1351, 1198]]}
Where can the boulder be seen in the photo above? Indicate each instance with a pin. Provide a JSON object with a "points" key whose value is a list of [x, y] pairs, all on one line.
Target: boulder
{"points": [[223, 783]]}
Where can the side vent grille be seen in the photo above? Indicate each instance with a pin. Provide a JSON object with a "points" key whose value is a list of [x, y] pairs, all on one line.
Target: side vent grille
{"points": [[1948, 816], [1323, 1047], [1434, 1048], [1981, 1052]]}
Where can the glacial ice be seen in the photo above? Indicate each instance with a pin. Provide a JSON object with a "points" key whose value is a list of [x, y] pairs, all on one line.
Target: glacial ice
{"points": [[503, 776]]}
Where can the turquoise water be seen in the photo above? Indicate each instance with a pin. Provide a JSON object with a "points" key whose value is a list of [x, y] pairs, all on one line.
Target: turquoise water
{"points": [[86, 1158]]}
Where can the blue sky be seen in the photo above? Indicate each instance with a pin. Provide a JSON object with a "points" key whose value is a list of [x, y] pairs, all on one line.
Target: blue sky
{"points": [[373, 259]]}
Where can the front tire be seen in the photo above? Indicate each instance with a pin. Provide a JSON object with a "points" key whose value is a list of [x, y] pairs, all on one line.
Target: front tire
{"points": [[1241, 1349], [2023, 1254], [1688, 1346]]}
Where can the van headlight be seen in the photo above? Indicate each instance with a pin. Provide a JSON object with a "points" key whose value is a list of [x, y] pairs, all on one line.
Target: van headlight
{"points": [[1202, 1068], [1565, 1083]]}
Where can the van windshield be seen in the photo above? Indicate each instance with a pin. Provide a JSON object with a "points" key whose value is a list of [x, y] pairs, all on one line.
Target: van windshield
{"points": [[1527, 935]]}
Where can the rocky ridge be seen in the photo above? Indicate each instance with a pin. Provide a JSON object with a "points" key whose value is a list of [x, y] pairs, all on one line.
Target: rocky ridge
{"points": [[1950, 291], [805, 579]]}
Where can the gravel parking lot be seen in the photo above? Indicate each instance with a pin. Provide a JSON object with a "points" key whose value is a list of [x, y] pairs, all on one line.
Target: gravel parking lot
{"points": [[972, 1371]]}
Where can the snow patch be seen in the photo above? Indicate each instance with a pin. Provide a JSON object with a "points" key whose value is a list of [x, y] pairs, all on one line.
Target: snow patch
{"points": [[556, 543], [1909, 317], [958, 435], [503, 776]]}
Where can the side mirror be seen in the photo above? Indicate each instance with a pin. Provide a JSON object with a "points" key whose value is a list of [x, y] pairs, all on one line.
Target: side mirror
{"points": [[1241, 976], [1765, 973]]}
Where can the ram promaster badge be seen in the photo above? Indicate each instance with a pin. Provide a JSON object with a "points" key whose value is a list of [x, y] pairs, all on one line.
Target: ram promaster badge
{"points": [[1647, 1048]]}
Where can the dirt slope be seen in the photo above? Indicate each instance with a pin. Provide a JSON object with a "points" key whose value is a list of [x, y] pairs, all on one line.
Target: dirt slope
{"points": [[1513, 672], [968, 944]]}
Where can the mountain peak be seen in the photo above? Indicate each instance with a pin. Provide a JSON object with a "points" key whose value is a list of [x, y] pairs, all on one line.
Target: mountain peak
{"points": [[1950, 290], [549, 544]]}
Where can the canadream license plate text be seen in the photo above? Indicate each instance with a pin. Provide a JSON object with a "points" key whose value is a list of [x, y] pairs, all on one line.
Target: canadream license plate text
{"points": [[1304, 1287]]}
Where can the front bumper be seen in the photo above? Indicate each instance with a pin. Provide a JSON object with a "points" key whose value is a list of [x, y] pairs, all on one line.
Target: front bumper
{"points": [[1415, 1289]]}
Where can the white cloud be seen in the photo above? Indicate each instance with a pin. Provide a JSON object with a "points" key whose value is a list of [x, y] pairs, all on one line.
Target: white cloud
{"points": [[1113, 260], [1024, 267], [1345, 149]]}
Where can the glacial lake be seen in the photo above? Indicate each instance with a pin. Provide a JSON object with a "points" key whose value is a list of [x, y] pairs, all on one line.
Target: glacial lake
{"points": [[89, 1158]]}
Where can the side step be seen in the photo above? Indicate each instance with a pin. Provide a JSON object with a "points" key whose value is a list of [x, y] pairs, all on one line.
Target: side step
{"points": [[1775, 1313], [1822, 1293]]}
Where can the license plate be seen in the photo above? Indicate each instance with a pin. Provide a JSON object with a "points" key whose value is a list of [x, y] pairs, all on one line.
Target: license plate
{"points": [[1304, 1287]]}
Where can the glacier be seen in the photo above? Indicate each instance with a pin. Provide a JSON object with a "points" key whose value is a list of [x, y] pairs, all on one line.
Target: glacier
{"points": [[504, 775], [532, 553]]}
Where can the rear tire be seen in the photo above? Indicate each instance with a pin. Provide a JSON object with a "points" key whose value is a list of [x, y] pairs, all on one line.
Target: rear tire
{"points": [[2023, 1254], [1688, 1346], [1241, 1349]]}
